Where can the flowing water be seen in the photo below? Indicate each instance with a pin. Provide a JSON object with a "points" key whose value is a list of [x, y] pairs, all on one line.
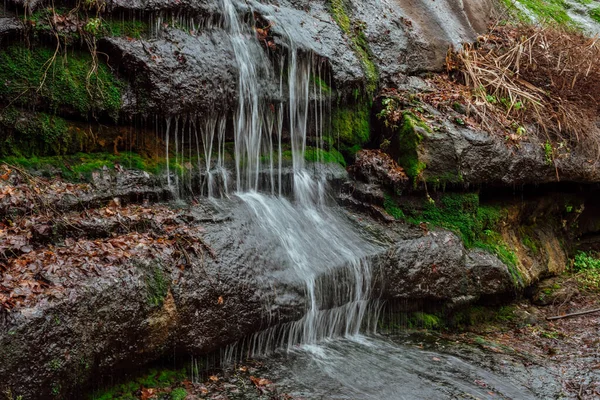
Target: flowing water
{"points": [[333, 350]]}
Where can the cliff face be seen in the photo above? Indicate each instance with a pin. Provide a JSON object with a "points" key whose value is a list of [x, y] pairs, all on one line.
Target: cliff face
{"points": [[467, 217], [181, 60]]}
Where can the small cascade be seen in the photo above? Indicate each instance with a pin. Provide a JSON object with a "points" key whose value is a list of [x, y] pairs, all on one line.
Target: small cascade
{"points": [[320, 247], [286, 199]]}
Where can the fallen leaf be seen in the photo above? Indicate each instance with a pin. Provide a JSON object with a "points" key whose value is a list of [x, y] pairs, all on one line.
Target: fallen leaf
{"points": [[260, 381], [148, 394]]}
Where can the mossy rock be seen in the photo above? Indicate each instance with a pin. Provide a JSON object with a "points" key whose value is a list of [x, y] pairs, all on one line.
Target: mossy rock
{"points": [[59, 82], [478, 225], [26, 134], [340, 10], [410, 135], [351, 128]]}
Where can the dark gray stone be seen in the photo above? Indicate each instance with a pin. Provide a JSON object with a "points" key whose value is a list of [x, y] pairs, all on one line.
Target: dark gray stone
{"points": [[10, 26], [438, 268]]}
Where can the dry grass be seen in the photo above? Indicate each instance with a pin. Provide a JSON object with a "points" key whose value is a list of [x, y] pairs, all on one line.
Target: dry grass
{"points": [[545, 76]]}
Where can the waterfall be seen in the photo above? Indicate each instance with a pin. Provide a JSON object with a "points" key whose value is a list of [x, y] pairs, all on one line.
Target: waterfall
{"points": [[319, 244]]}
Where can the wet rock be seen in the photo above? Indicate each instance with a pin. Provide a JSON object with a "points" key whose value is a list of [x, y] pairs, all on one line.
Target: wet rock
{"points": [[409, 37], [377, 167], [437, 267], [311, 28], [134, 311], [178, 73], [10, 26]]}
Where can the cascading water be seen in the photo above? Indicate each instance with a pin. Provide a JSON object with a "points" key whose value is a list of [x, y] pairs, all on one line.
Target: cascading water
{"points": [[317, 243]]}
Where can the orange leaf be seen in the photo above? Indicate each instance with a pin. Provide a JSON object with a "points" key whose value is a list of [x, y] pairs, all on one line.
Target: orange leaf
{"points": [[260, 381], [148, 394], [220, 300]]}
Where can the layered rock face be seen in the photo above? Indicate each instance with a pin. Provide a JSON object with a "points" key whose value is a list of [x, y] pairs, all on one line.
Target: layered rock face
{"points": [[127, 281], [186, 62], [197, 278]]}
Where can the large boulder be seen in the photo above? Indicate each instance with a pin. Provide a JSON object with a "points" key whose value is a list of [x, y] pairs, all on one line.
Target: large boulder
{"points": [[437, 269], [128, 299]]}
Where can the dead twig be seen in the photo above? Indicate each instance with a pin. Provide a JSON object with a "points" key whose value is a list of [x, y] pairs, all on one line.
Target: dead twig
{"points": [[573, 314]]}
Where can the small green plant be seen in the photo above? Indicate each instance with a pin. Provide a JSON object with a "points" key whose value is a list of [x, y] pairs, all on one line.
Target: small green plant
{"points": [[55, 389], [586, 261], [93, 26], [518, 106], [178, 394], [548, 153], [587, 268], [491, 99]]}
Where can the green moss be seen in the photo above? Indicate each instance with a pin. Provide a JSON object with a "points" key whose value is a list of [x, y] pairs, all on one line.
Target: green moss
{"points": [[441, 181], [312, 154], [410, 137], [158, 286], [414, 320], [391, 207], [321, 85], [29, 76], [79, 166], [462, 213], [478, 315], [360, 45], [125, 28], [319, 155], [351, 127], [426, 321], [27, 134], [594, 14], [554, 11]]}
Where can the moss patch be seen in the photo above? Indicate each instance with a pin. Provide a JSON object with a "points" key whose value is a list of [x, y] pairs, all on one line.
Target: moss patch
{"points": [[319, 155], [477, 315], [409, 139], [360, 45], [79, 166], [595, 14], [351, 127], [158, 285], [28, 134], [478, 225], [30, 76], [553, 11]]}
